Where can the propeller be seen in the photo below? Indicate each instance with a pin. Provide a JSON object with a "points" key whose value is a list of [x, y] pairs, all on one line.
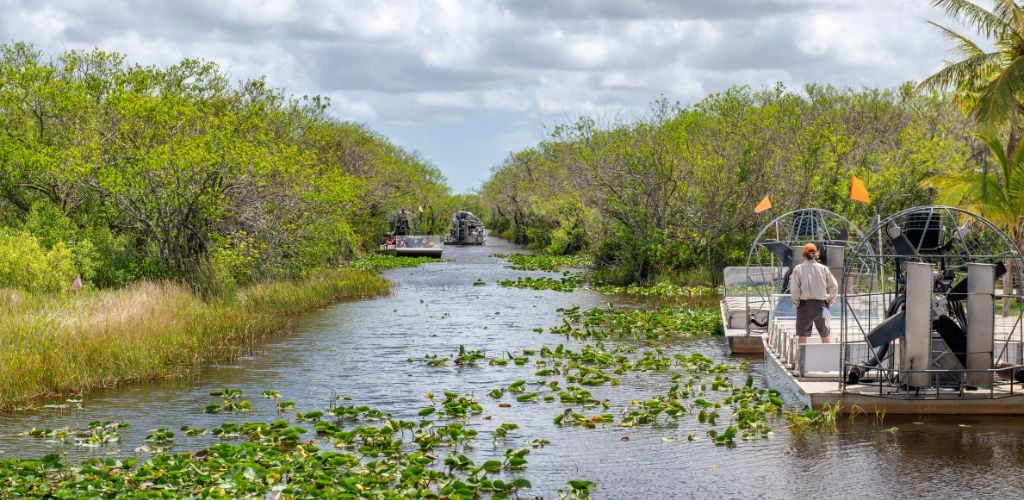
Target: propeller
{"points": [[950, 322], [781, 250]]}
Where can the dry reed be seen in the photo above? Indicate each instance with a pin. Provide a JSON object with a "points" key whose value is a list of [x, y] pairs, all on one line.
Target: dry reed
{"points": [[65, 345]]}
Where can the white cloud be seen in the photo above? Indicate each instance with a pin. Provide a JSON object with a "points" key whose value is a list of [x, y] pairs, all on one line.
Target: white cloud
{"points": [[461, 56], [849, 40], [47, 24], [346, 108], [460, 100], [262, 11]]}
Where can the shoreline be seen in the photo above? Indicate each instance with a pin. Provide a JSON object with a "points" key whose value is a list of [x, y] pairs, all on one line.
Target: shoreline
{"points": [[68, 345]]}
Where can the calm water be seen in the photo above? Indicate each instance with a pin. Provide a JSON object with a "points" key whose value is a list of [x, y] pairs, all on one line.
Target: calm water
{"points": [[360, 350]]}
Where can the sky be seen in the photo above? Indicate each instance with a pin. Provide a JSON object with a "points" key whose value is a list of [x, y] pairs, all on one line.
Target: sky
{"points": [[467, 82]]}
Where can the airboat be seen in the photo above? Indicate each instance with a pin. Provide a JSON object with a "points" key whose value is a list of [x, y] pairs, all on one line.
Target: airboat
{"points": [[928, 319], [400, 242], [412, 246], [466, 230]]}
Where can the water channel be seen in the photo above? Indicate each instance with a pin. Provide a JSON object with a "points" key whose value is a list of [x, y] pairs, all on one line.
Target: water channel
{"points": [[361, 351]]}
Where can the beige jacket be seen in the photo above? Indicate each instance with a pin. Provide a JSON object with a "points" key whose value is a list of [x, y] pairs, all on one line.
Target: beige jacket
{"points": [[812, 281]]}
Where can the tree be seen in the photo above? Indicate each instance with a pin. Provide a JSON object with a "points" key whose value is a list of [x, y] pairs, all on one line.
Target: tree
{"points": [[671, 195], [999, 198], [175, 172], [990, 84]]}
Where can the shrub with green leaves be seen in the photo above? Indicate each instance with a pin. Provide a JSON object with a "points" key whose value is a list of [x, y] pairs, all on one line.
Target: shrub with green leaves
{"points": [[25, 264]]}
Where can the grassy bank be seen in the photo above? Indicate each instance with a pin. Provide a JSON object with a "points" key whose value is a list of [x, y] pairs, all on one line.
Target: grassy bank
{"points": [[60, 345]]}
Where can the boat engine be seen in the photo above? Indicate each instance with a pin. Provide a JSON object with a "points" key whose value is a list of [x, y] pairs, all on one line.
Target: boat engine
{"points": [[938, 266]]}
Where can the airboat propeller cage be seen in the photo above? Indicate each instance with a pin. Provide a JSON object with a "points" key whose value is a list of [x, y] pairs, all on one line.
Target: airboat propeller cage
{"points": [[779, 246], [920, 305]]}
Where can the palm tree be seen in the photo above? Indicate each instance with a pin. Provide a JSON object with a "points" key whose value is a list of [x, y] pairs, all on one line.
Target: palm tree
{"points": [[999, 198], [990, 85]]}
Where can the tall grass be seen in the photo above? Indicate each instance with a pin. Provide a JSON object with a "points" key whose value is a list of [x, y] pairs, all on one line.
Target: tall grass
{"points": [[58, 345]]}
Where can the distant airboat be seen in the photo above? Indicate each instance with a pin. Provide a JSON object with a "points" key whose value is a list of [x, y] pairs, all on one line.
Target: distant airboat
{"points": [[401, 242], [466, 230]]}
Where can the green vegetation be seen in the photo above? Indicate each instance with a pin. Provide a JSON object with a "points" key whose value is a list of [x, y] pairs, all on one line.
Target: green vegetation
{"points": [[694, 295], [663, 290], [670, 197], [824, 419], [719, 396], [363, 452], [198, 213], [564, 284], [119, 172], [698, 388], [639, 324], [535, 262], [988, 86], [67, 344], [377, 262]]}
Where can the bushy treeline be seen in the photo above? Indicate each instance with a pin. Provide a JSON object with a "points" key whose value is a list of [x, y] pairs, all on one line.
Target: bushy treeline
{"points": [[672, 194], [119, 172]]}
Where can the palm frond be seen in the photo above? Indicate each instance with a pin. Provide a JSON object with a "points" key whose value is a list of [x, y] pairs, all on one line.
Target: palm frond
{"points": [[954, 189], [962, 45], [954, 74], [1008, 9], [995, 145], [999, 98], [1018, 158], [985, 22], [1011, 40]]}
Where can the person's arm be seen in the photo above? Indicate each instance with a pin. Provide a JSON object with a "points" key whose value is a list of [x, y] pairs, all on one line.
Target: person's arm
{"points": [[794, 285], [831, 286]]}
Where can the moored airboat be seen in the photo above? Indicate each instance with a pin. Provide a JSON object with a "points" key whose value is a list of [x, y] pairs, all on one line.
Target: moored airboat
{"points": [[921, 325]]}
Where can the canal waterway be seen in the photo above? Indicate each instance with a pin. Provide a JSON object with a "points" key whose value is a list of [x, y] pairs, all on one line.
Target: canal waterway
{"points": [[371, 353]]}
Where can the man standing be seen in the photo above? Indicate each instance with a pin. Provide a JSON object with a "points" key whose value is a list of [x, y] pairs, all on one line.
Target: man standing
{"points": [[813, 288], [402, 226]]}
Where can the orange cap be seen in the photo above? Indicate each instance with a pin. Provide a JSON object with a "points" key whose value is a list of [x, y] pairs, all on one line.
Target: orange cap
{"points": [[810, 247]]}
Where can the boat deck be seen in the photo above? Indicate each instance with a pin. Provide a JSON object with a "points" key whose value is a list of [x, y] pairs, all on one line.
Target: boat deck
{"points": [[816, 392], [812, 371], [735, 318]]}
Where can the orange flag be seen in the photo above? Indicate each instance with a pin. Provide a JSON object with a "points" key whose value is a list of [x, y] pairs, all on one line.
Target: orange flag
{"points": [[764, 205], [858, 192]]}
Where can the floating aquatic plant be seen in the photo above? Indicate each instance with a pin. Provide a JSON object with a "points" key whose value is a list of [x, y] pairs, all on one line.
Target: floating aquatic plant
{"points": [[638, 324], [534, 262], [466, 357], [825, 418], [564, 284], [376, 263], [570, 417], [227, 393], [275, 460], [502, 431]]}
